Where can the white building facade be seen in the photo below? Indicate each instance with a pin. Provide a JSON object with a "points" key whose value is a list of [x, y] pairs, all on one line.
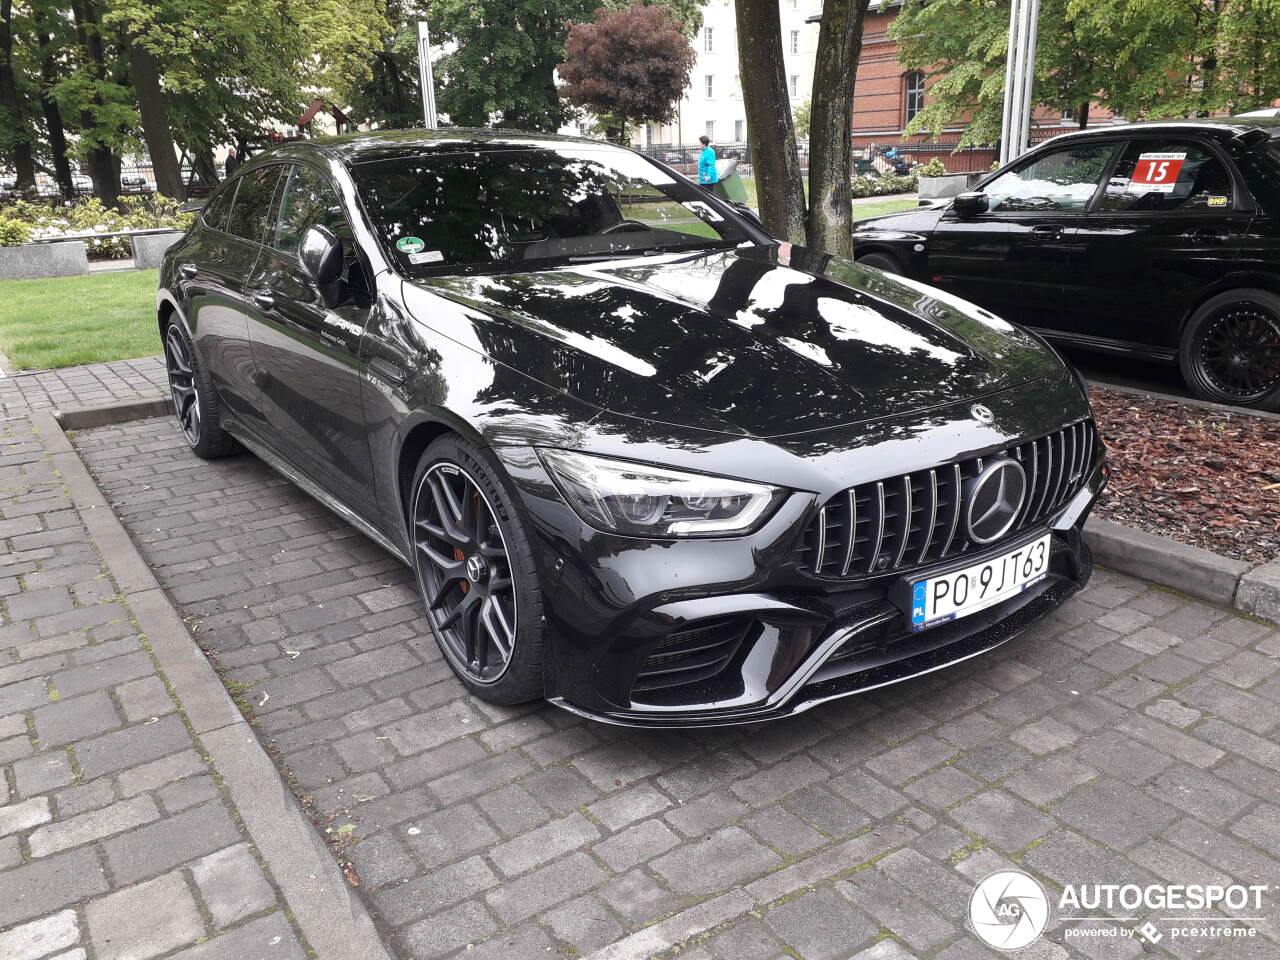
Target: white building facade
{"points": [[712, 105]]}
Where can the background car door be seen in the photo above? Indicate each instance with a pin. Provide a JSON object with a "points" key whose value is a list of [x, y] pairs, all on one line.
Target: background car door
{"points": [[1016, 258], [1168, 225], [308, 353], [216, 269]]}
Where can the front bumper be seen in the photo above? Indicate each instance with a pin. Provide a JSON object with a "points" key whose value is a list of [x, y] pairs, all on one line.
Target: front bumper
{"points": [[786, 643]]}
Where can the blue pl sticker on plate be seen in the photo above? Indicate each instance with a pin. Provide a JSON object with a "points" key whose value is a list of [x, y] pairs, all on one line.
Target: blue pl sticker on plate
{"points": [[918, 595]]}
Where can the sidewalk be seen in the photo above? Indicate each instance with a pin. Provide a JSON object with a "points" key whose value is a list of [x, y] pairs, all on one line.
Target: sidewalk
{"points": [[124, 766], [98, 383]]}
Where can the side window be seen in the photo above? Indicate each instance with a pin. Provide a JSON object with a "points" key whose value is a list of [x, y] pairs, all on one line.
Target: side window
{"points": [[252, 206], [215, 211], [1169, 175], [1063, 180], [309, 201]]}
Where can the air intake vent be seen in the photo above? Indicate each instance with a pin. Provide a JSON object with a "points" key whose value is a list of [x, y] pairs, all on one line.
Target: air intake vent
{"points": [[917, 518], [696, 653]]}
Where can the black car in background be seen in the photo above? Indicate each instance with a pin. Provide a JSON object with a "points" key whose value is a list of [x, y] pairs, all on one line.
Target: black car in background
{"points": [[643, 459], [1153, 239]]}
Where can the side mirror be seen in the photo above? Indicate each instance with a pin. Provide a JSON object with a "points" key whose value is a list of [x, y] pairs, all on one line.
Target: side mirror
{"points": [[320, 254], [970, 204]]}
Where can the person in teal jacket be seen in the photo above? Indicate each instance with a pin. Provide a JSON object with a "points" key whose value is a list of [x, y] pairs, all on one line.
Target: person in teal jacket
{"points": [[707, 165]]}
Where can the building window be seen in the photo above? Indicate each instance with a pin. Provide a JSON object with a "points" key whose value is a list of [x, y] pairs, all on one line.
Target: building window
{"points": [[795, 41], [708, 40], [711, 129], [739, 131], [915, 94], [793, 84], [650, 135], [710, 82]]}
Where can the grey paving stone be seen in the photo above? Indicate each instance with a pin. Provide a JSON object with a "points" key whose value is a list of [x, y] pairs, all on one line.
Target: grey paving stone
{"points": [[636, 844], [16, 817], [534, 892], [448, 930], [157, 773], [165, 844], [232, 885], [1115, 813], [144, 698], [267, 938], [75, 719], [637, 897], [40, 938], [131, 746], [448, 834], [543, 844], [43, 886], [907, 916], [95, 825], [187, 793], [430, 892], [820, 925], [585, 923], [620, 809], [145, 920], [1009, 823], [41, 773], [782, 830], [716, 863]]}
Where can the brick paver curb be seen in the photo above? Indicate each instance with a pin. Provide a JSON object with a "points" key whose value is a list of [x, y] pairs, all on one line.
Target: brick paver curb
{"points": [[105, 414], [331, 917]]}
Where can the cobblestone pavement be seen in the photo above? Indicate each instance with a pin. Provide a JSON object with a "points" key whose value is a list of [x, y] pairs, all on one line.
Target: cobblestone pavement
{"points": [[97, 383], [117, 836], [1130, 738]]}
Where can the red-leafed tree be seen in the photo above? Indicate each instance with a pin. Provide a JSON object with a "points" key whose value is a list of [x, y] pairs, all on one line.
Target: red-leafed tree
{"points": [[627, 66]]}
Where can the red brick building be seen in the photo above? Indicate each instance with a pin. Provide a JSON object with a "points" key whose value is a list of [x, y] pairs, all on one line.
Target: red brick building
{"points": [[887, 95]]}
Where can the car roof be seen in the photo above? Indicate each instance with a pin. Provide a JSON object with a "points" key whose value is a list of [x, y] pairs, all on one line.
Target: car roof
{"points": [[373, 145], [1221, 128]]}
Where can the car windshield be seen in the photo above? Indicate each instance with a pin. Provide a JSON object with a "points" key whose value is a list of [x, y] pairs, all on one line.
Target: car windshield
{"points": [[517, 209]]}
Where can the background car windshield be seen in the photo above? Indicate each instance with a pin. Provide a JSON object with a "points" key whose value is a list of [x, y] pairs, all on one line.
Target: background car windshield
{"points": [[508, 209]]}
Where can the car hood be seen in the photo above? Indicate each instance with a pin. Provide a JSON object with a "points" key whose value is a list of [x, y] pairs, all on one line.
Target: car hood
{"points": [[919, 221], [757, 341]]}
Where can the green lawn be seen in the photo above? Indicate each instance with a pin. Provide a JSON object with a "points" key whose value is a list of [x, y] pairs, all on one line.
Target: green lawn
{"points": [[73, 320], [889, 204]]}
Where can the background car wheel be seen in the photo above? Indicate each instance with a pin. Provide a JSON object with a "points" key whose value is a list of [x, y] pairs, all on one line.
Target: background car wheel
{"points": [[1230, 351], [475, 572], [881, 261], [194, 401]]}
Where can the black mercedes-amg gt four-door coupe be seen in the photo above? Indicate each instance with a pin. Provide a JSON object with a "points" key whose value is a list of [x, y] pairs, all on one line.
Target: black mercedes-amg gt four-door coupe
{"points": [[1159, 240], [644, 460]]}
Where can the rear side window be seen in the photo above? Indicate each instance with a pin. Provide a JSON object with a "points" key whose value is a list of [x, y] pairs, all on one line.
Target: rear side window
{"points": [[1169, 175], [252, 205], [1062, 180], [215, 211], [309, 201]]}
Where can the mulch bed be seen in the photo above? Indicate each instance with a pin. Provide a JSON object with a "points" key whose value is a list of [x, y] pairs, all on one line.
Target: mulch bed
{"points": [[1191, 473]]}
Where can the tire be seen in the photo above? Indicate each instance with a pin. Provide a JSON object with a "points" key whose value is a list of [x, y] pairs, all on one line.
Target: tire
{"points": [[882, 261], [195, 402], [450, 580], [1230, 349]]}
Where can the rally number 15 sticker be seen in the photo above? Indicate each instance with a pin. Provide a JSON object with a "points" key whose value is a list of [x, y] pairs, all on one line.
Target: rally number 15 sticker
{"points": [[1157, 172]]}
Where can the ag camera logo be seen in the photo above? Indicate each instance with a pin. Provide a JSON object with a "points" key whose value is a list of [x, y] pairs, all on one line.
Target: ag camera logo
{"points": [[1008, 910]]}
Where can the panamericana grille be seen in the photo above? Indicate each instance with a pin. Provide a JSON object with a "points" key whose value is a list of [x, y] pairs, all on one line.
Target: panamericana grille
{"points": [[902, 522], [692, 654]]}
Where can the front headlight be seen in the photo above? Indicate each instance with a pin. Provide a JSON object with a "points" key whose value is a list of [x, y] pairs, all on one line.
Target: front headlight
{"points": [[639, 500]]}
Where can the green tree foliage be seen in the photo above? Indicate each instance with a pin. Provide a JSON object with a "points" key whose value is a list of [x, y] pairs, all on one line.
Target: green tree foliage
{"points": [[629, 66], [1138, 58], [803, 116]]}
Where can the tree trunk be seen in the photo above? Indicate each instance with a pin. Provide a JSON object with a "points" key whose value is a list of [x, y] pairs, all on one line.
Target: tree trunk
{"points": [[771, 134], [830, 220], [1082, 115], [154, 114], [103, 169], [53, 119], [24, 161]]}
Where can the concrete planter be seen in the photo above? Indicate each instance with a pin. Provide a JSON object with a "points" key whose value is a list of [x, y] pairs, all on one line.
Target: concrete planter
{"points": [[948, 185], [41, 260], [149, 248]]}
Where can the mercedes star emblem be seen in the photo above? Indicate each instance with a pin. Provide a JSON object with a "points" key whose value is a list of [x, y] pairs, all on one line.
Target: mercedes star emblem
{"points": [[982, 413], [996, 500]]}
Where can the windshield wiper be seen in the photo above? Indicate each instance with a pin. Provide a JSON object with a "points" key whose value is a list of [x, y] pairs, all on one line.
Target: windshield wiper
{"points": [[615, 255]]}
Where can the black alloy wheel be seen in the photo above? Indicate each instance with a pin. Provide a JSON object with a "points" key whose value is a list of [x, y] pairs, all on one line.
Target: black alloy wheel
{"points": [[183, 386], [1231, 351], [464, 572]]}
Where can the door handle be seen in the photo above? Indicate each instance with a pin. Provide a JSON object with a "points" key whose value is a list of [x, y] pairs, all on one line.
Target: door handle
{"points": [[1205, 235], [188, 270], [263, 299], [1047, 231]]}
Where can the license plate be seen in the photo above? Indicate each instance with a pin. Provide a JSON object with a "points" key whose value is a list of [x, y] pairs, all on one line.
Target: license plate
{"points": [[958, 594]]}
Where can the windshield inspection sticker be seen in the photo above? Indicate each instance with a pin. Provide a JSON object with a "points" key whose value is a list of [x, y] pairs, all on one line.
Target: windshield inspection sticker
{"points": [[1216, 202], [1157, 172], [429, 256], [409, 244]]}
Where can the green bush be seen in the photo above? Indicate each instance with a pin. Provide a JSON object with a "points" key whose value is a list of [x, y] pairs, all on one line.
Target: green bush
{"points": [[88, 216], [13, 233], [884, 186], [934, 168]]}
